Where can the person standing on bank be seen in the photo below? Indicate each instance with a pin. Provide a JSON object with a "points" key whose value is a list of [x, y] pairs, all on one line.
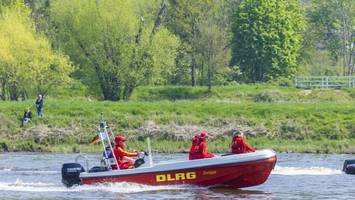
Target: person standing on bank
{"points": [[39, 105]]}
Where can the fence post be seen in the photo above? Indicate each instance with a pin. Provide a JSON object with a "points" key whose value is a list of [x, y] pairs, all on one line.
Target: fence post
{"points": [[322, 85], [296, 81]]}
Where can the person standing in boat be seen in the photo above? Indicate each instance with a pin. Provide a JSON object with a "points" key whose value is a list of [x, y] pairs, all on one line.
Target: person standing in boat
{"points": [[239, 144], [201, 151], [123, 157]]}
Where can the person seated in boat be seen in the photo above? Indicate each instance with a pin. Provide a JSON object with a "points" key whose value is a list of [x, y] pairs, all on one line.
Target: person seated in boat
{"points": [[107, 158], [123, 157], [201, 151], [107, 153], [194, 144], [239, 144]]}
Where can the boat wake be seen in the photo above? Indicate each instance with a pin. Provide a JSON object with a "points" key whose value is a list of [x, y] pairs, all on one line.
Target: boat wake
{"points": [[294, 171], [124, 187], [27, 171]]}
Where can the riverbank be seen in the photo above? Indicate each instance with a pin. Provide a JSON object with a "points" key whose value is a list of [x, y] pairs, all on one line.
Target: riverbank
{"points": [[289, 124], [220, 145]]}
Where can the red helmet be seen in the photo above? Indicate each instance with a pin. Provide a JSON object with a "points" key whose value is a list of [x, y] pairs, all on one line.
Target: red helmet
{"points": [[203, 135], [119, 138]]}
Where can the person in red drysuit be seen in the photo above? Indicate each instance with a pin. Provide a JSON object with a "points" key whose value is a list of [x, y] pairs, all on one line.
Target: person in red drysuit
{"points": [[122, 156], [194, 143], [239, 144], [201, 151]]}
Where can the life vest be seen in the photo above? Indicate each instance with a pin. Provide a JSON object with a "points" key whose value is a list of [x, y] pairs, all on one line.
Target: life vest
{"points": [[240, 146], [120, 155], [194, 148], [200, 151]]}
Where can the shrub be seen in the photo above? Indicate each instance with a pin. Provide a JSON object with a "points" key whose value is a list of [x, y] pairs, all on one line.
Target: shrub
{"points": [[268, 96], [289, 129], [283, 82]]}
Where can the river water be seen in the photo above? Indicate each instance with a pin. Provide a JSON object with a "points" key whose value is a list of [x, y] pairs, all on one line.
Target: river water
{"points": [[296, 176]]}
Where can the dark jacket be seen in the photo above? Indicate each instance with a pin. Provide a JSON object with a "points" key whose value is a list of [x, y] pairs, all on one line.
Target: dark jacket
{"points": [[27, 114], [39, 103]]}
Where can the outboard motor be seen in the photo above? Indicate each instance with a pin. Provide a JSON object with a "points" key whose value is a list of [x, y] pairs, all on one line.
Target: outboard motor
{"points": [[70, 174], [349, 167]]}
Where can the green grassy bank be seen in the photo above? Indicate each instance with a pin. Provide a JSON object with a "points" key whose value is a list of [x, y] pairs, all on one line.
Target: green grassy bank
{"points": [[284, 119]]}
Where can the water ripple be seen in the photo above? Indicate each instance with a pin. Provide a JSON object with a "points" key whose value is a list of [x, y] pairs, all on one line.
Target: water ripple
{"points": [[316, 171]]}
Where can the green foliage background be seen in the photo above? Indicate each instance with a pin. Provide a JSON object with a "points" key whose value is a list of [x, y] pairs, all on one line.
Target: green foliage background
{"points": [[86, 56], [112, 47]]}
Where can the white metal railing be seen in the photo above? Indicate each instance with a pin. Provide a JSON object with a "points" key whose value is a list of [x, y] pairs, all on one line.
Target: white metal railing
{"points": [[325, 82]]}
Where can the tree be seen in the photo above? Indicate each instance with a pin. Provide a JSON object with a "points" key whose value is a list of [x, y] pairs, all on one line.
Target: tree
{"points": [[212, 47], [115, 40], [267, 35], [334, 21], [212, 51], [192, 22], [183, 18], [27, 62]]}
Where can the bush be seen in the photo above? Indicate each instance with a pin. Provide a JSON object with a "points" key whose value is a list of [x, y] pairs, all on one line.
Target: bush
{"points": [[289, 129], [332, 132], [3, 147], [169, 93], [283, 82], [268, 96]]}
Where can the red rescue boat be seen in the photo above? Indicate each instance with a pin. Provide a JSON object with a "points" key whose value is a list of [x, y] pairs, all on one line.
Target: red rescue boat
{"points": [[234, 171]]}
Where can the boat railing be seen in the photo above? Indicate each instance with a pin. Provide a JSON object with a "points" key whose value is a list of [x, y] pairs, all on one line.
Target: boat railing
{"points": [[85, 159]]}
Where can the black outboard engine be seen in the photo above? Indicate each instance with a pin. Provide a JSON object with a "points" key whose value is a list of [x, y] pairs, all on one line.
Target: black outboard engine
{"points": [[349, 167], [70, 174]]}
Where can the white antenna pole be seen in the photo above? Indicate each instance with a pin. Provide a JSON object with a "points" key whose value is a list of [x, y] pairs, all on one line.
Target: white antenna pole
{"points": [[104, 127], [103, 143], [150, 153], [109, 143]]}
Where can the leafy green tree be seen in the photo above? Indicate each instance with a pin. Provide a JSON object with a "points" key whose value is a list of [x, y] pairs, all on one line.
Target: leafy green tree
{"points": [[183, 19], [27, 61], [334, 23], [212, 46], [114, 40], [267, 36], [191, 21], [212, 51]]}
